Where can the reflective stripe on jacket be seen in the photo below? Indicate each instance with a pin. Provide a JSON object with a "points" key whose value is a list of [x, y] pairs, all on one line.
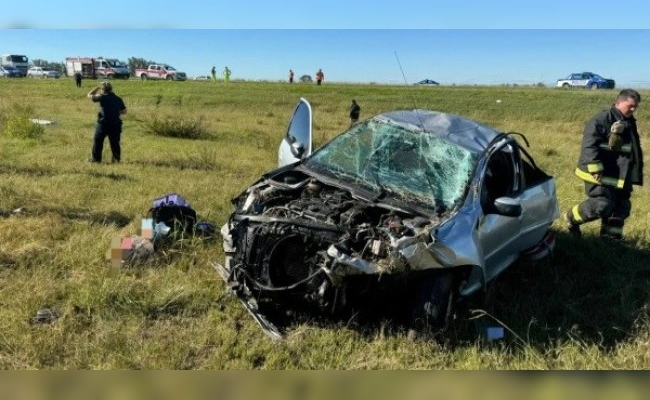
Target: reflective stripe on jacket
{"points": [[617, 167]]}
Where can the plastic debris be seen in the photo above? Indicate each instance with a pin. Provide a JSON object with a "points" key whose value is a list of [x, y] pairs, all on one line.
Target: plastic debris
{"points": [[494, 333], [45, 316], [38, 121]]}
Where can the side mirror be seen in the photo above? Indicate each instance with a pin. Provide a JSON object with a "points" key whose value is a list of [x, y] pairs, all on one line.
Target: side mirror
{"points": [[297, 149], [508, 206]]}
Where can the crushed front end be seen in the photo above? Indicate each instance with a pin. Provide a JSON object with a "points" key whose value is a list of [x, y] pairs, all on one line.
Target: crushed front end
{"points": [[295, 240]]}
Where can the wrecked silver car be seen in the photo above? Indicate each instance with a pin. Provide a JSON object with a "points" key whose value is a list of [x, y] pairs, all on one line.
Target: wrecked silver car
{"points": [[422, 203]]}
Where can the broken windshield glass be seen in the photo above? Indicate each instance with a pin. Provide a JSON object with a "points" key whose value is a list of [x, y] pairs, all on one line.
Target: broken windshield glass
{"points": [[416, 167]]}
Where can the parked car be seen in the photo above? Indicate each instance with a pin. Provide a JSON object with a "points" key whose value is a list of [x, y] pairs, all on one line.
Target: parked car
{"points": [[587, 80], [7, 71], [160, 71], [43, 72], [421, 205], [428, 82], [305, 79]]}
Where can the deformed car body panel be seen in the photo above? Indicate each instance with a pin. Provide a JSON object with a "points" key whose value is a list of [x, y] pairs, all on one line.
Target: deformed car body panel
{"points": [[401, 192]]}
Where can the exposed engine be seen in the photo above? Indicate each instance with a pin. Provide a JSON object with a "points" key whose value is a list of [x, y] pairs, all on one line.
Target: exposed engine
{"points": [[307, 237]]}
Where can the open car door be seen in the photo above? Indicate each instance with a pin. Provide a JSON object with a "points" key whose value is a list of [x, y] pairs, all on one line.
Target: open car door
{"points": [[297, 143]]}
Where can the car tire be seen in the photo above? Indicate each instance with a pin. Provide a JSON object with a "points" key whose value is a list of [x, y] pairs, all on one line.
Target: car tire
{"points": [[593, 86], [169, 78], [143, 77], [565, 85], [432, 305]]}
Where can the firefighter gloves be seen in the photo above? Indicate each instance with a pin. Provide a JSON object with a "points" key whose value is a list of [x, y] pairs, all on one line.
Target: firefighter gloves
{"points": [[615, 130], [617, 127]]}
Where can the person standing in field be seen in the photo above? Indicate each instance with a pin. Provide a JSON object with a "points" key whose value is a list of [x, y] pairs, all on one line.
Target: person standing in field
{"points": [[77, 78], [320, 76], [213, 73], [610, 162], [109, 123], [226, 74], [355, 111], [290, 76]]}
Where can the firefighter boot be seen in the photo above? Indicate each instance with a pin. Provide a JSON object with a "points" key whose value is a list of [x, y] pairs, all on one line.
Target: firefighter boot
{"points": [[612, 229], [571, 224]]}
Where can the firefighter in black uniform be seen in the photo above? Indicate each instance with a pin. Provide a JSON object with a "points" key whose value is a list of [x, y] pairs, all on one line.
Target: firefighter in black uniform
{"points": [[611, 161], [111, 107]]}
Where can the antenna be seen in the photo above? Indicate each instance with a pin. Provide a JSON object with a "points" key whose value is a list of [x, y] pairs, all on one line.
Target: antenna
{"points": [[415, 105]]}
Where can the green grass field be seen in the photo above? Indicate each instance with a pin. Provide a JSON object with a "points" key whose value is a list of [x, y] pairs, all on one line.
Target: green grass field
{"points": [[587, 308]]}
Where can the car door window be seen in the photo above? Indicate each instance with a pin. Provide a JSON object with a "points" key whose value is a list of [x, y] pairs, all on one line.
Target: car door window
{"points": [[297, 131], [500, 179]]}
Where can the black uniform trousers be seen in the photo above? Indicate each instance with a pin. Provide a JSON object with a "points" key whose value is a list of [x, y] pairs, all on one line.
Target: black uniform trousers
{"points": [[610, 204], [113, 133]]}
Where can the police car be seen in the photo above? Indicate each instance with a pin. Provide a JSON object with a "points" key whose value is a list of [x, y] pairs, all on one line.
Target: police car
{"points": [[587, 80]]}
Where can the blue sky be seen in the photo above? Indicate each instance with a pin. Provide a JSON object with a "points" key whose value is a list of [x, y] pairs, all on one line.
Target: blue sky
{"points": [[473, 42]]}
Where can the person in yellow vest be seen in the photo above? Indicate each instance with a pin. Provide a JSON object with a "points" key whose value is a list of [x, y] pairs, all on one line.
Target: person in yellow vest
{"points": [[226, 74], [611, 161]]}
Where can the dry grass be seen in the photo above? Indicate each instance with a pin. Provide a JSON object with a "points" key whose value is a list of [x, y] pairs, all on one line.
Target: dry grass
{"points": [[586, 309]]}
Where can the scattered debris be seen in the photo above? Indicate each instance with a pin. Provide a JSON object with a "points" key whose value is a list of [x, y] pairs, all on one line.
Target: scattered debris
{"points": [[205, 230], [45, 316], [7, 213], [494, 333], [171, 217], [38, 121]]}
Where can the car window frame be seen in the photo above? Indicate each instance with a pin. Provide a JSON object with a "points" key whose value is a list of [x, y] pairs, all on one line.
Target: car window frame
{"points": [[516, 184]]}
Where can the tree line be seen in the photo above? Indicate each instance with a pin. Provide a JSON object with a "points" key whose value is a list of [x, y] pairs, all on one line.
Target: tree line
{"points": [[133, 63]]}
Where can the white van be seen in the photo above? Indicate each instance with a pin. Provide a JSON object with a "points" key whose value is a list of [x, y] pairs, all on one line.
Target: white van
{"points": [[111, 68]]}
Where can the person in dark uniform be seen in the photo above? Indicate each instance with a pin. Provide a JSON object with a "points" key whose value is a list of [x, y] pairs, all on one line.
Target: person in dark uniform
{"points": [[611, 161], [355, 110], [109, 123], [77, 78]]}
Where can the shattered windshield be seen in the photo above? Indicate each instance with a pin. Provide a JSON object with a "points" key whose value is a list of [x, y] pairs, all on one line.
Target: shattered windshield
{"points": [[411, 166]]}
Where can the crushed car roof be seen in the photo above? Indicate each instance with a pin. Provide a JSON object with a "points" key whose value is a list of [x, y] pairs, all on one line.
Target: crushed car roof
{"points": [[453, 128]]}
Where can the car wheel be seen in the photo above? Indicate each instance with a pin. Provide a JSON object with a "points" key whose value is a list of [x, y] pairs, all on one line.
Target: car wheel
{"points": [[169, 77], [565, 86], [143, 77], [433, 300], [593, 86]]}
